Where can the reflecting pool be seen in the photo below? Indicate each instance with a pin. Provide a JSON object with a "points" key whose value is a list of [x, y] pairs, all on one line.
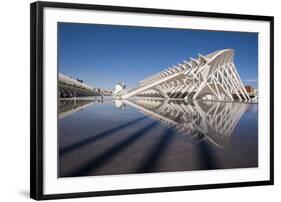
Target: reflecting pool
{"points": [[110, 137]]}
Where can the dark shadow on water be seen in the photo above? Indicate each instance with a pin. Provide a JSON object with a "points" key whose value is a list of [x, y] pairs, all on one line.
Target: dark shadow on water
{"points": [[158, 151], [108, 154], [206, 157], [98, 136]]}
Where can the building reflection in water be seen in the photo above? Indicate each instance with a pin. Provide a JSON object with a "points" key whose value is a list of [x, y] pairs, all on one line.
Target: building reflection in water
{"points": [[206, 126], [70, 106], [203, 120]]}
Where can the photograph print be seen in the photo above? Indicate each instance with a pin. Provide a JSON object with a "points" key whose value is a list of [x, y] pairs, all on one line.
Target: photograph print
{"points": [[135, 100]]}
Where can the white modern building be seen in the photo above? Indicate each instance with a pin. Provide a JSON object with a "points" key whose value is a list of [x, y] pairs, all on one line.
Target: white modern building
{"points": [[211, 77], [70, 88]]}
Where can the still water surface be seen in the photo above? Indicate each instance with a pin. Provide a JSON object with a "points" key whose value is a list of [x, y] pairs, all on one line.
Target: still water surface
{"points": [[109, 137]]}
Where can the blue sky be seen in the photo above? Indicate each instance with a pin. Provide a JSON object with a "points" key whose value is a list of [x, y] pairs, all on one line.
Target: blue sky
{"points": [[102, 55]]}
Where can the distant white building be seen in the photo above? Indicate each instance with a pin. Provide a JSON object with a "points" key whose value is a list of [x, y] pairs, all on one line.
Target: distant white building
{"points": [[119, 88]]}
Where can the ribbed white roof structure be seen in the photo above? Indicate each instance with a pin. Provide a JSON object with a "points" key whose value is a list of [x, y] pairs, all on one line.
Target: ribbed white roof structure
{"points": [[70, 81], [211, 77]]}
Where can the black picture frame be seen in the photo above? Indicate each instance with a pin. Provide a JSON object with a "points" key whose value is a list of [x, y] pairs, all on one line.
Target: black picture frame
{"points": [[36, 98]]}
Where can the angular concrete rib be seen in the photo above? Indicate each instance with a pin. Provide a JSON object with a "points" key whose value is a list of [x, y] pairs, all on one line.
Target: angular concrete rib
{"points": [[210, 77]]}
